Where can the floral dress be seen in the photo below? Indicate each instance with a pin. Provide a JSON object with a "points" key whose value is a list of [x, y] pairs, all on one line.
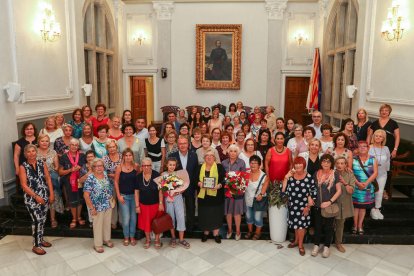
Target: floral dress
{"points": [[60, 147], [100, 192]]}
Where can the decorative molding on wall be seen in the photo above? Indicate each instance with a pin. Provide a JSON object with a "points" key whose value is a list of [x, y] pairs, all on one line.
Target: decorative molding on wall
{"points": [[275, 9], [140, 54], [400, 119], [22, 117], [164, 9], [66, 96], [382, 100]]}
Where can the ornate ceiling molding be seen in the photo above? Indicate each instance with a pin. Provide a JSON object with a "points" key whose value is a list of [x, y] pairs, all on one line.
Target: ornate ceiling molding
{"points": [[276, 9], [163, 9]]}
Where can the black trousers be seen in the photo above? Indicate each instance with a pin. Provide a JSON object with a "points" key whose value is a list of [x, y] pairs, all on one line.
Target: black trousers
{"points": [[325, 226], [189, 200]]}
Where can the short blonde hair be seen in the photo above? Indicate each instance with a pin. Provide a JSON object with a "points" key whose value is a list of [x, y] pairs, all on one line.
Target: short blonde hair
{"points": [[384, 135], [109, 142], [209, 152], [383, 106], [315, 140], [41, 136], [97, 160]]}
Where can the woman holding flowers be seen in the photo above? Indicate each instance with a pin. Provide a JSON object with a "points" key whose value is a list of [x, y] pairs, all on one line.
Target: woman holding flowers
{"points": [[234, 205]]}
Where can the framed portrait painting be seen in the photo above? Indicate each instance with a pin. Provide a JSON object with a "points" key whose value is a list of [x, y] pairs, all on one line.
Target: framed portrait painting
{"points": [[218, 56]]}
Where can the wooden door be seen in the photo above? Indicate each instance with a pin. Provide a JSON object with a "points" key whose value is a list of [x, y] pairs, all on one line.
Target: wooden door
{"points": [[296, 94], [138, 98]]}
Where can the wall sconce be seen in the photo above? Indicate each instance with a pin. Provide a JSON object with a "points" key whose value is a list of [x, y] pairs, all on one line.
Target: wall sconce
{"points": [[140, 37], [163, 72], [49, 29], [350, 91], [14, 91], [393, 26], [87, 88], [300, 37]]}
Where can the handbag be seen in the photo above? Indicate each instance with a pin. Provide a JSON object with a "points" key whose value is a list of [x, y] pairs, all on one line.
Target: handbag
{"points": [[263, 204], [161, 223], [374, 182], [112, 202], [330, 211]]}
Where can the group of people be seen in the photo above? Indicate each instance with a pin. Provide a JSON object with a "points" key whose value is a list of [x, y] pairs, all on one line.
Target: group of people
{"points": [[112, 165]]}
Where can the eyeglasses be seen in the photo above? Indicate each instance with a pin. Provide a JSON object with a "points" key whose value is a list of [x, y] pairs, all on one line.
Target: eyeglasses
{"points": [[326, 161], [98, 166], [146, 166]]}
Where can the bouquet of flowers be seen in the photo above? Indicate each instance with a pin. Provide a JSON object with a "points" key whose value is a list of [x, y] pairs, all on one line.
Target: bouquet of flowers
{"points": [[173, 183], [236, 183], [170, 182]]}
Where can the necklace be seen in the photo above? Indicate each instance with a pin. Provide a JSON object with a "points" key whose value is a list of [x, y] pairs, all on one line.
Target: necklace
{"points": [[146, 184], [278, 150]]}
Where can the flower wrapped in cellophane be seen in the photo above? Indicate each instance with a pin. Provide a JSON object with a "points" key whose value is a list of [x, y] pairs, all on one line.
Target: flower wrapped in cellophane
{"points": [[236, 183]]}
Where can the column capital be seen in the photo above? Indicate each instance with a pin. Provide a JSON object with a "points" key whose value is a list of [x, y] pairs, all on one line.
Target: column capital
{"points": [[275, 9], [163, 9], [323, 8]]}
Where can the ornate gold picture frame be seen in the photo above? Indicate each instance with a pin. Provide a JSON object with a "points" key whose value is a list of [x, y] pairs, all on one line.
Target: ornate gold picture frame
{"points": [[218, 56]]}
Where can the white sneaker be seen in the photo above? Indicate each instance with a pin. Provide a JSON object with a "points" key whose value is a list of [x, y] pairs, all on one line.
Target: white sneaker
{"points": [[315, 251], [379, 214], [374, 214], [228, 235], [325, 252]]}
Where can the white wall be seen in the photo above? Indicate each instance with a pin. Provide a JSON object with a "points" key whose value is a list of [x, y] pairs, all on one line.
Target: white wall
{"points": [[253, 18]]}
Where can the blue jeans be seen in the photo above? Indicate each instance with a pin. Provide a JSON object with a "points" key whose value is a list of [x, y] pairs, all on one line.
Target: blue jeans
{"points": [[129, 216], [255, 217], [56, 184]]}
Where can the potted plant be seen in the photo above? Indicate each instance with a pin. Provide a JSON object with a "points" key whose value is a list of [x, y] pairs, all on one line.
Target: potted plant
{"points": [[277, 213]]}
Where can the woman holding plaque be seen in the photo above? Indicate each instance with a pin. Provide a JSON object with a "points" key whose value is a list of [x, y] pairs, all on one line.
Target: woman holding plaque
{"points": [[211, 196]]}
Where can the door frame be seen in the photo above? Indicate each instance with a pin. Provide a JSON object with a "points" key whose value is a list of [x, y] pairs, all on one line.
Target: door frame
{"points": [[285, 74], [127, 91]]}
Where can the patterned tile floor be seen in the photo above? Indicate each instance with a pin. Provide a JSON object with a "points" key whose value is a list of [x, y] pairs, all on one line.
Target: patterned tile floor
{"points": [[75, 256]]}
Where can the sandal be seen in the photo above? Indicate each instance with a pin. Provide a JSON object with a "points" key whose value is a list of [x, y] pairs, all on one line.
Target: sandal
{"points": [[46, 244], [361, 231], [99, 249], [256, 236], [184, 244], [133, 241], [302, 251], [38, 250], [54, 224], [248, 235], [354, 230], [385, 196], [147, 244], [158, 244], [292, 245], [125, 242], [108, 244], [81, 221], [72, 224], [173, 242]]}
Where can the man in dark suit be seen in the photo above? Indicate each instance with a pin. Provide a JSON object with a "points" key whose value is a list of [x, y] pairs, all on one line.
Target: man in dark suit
{"points": [[188, 161]]}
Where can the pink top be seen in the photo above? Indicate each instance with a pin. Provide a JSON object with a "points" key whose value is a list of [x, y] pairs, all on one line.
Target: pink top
{"points": [[278, 164]]}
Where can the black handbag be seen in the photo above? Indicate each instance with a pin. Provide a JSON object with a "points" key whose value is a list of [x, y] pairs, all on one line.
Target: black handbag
{"points": [[263, 204]]}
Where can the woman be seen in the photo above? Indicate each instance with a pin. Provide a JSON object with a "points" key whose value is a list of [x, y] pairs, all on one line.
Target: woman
{"points": [[232, 112], [155, 149], [203, 128], [38, 193], [211, 200], [326, 139], [252, 116], [87, 114], [181, 118], [195, 123], [206, 116], [61, 145], [132, 142], [148, 201], [192, 115], [125, 183], [296, 140], [99, 144], [51, 130], [258, 184], [100, 119], [85, 172], [226, 122], [85, 142], [365, 168], [290, 128], [278, 161], [383, 157], [312, 156], [196, 141], [127, 117], [340, 142], [240, 107], [346, 209], [236, 125], [69, 171], [280, 126], [240, 138], [230, 130], [171, 145], [246, 129], [308, 133], [248, 151], [256, 126], [29, 134], [328, 190], [115, 132], [50, 159], [224, 146], [300, 188], [167, 128], [264, 143], [270, 118], [111, 161], [60, 120], [215, 137], [98, 193], [184, 130], [243, 118], [77, 123], [206, 146], [214, 122], [348, 129], [234, 207], [362, 124]]}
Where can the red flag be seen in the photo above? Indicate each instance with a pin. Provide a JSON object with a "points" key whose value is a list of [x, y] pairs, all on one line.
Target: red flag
{"points": [[315, 84]]}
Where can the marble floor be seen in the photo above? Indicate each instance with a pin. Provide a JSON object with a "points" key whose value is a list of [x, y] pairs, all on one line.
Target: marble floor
{"points": [[75, 256]]}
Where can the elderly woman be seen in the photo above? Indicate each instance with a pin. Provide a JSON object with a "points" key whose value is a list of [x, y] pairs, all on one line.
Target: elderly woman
{"points": [[348, 129], [326, 138], [99, 144], [234, 207], [206, 146], [252, 116], [132, 142], [60, 119], [328, 190], [211, 200], [240, 138], [51, 130], [346, 209], [77, 123], [340, 141], [223, 149], [181, 118], [362, 124], [50, 159], [29, 134], [365, 168], [98, 193], [296, 140], [248, 151], [270, 118], [312, 156], [155, 149], [148, 201], [85, 172], [61, 145], [100, 119], [258, 184], [171, 143], [114, 131], [308, 133], [38, 193], [299, 185], [85, 142], [382, 155], [125, 179], [69, 170]]}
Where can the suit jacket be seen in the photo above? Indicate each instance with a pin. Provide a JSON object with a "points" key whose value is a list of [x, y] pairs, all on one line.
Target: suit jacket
{"points": [[192, 168], [176, 126]]}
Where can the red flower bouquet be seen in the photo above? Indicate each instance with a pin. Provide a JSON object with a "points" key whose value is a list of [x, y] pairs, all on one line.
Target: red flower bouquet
{"points": [[236, 183]]}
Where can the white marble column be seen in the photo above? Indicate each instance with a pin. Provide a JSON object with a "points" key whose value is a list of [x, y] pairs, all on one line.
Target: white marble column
{"points": [[164, 10], [275, 10]]}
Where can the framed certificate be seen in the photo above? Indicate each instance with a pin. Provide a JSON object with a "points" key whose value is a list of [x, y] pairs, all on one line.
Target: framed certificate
{"points": [[209, 182]]}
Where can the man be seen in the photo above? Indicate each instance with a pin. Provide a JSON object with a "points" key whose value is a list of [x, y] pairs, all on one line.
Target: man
{"points": [[141, 131], [218, 58], [187, 160], [317, 123], [172, 118]]}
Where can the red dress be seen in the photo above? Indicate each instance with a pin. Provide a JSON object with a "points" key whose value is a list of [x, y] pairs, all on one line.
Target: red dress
{"points": [[279, 164], [96, 123]]}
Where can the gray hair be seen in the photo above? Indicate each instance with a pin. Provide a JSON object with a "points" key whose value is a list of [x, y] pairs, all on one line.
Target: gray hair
{"points": [[146, 159], [95, 161], [341, 158], [209, 152], [234, 147], [74, 141], [28, 147], [295, 126]]}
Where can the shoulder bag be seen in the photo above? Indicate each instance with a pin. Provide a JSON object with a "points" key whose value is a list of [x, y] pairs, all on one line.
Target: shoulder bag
{"points": [[374, 182], [161, 223], [263, 204], [330, 211]]}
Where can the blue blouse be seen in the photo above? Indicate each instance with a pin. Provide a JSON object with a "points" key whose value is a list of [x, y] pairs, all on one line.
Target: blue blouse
{"points": [[100, 192]]}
